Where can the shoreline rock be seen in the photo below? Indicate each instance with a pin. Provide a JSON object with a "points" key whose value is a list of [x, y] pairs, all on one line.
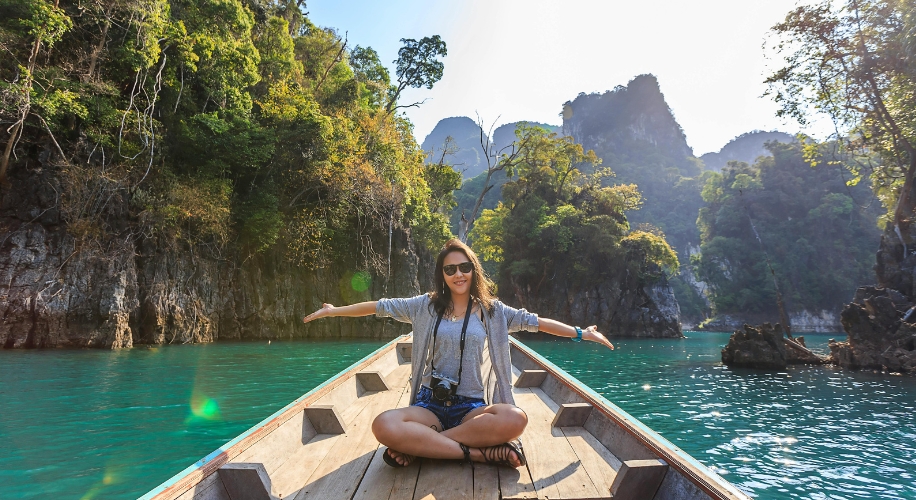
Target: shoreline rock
{"points": [[880, 334], [767, 347]]}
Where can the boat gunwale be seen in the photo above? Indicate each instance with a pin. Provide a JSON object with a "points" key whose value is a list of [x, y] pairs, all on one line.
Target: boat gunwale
{"points": [[697, 473], [194, 474]]}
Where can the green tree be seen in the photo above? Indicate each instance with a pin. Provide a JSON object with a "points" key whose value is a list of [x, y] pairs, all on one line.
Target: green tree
{"points": [[417, 66], [854, 62], [817, 232]]}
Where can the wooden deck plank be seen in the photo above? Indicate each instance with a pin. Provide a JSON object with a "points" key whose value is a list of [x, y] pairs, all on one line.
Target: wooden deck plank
{"points": [[339, 474], [444, 480], [383, 482], [599, 463], [555, 467], [290, 478], [486, 482], [516, 484]]}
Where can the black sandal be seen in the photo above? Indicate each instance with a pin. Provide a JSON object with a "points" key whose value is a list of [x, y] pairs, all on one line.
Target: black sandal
{"points": [[394, 463], [500, 454], [467, 455]]}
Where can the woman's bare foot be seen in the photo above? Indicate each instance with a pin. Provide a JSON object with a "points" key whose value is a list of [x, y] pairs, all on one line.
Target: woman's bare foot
{"points": [[401, 458]]}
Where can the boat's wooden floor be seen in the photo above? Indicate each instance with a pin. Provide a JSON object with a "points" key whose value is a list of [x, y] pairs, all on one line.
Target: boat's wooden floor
{"points": [[563, 463]]}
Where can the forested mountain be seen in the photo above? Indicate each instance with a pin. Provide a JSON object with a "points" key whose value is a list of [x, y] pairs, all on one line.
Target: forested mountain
{"points": [[746, 147], [818, 233], [634, 132], [635, 135], [464, 152]]}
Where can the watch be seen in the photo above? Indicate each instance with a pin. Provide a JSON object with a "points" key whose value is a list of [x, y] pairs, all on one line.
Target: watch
{"points": [[578, 337]]}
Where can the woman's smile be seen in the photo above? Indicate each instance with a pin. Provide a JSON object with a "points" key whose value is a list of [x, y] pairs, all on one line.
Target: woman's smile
{"points": [[460, 282]]}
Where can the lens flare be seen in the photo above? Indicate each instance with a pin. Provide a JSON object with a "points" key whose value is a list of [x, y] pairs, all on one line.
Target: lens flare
{"points": [[109, 478], [204, 407], [361, 281]]}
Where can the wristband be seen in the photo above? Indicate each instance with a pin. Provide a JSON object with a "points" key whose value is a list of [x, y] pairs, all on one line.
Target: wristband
{"points": [[578, 337]]}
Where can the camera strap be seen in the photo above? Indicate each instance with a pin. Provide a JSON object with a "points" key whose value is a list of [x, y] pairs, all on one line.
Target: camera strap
{"points": [[464, 330]]}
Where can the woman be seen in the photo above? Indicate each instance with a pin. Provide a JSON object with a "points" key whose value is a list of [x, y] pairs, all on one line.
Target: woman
{"points": [[448, 416]]}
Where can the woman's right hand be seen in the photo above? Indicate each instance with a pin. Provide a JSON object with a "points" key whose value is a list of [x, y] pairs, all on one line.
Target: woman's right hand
{"points": [[324, 312]]}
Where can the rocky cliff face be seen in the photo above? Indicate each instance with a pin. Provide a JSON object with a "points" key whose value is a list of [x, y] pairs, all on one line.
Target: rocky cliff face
{"points": [[620, 307], [621, 121], [118, 291]]}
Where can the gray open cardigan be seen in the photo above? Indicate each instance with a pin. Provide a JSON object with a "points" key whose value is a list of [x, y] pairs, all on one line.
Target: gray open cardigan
{"points": [[419, 312]]}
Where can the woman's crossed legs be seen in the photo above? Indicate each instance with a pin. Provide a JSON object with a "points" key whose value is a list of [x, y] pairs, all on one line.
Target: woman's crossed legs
{"points": [[415, 432]]}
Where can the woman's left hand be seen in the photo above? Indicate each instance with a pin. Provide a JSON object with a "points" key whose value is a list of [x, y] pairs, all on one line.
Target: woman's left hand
{"points": [[592, 334]]}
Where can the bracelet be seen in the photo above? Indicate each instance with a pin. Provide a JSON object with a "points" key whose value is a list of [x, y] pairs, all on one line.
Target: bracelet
{"points": [[578, 337]]}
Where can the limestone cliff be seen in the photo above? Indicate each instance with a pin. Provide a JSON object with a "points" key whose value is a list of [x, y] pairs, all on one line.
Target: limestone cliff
{"points": [[621, 307], [120, 289]]}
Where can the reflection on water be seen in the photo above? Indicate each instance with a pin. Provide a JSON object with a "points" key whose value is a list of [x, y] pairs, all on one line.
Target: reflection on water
{"points": [[807, 432], [113, 424]]}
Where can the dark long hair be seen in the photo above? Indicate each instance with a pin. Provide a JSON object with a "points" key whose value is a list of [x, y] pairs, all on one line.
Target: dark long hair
{"points": [[441, 296]]}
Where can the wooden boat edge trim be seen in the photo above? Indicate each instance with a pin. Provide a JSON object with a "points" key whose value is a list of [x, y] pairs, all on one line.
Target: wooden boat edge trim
{"points": [[710, 482], [194, 474]]}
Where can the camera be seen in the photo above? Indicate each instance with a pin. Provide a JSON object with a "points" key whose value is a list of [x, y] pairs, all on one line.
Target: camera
{"points": [[443, 388]]}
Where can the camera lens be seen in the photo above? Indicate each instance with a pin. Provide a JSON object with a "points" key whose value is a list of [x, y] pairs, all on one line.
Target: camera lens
{"points": [[442, 389], [441, 393]]}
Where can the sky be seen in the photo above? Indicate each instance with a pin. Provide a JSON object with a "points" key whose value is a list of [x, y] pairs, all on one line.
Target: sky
{"points": [[514, 60]]}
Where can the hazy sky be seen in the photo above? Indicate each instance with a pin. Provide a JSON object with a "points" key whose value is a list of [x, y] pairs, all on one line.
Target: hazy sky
{"points": [[511, 60]]}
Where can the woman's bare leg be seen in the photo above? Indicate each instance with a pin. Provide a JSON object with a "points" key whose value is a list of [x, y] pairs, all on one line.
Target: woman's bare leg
{"points": [[489, 426], [416, 431]]}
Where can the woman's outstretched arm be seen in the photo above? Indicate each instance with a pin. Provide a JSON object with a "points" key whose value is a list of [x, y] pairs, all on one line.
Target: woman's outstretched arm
{"points": [[354, 310], [559, 329]]}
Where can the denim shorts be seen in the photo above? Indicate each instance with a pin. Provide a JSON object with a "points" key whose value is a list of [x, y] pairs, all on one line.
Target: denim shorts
{"points": [[449, 413]]}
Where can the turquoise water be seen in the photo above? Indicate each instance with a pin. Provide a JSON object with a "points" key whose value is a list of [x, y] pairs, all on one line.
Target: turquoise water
{"points": [[92, 424], [114, 424], [808, 432]]}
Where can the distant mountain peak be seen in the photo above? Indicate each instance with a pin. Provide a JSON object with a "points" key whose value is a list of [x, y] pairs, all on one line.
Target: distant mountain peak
{"points": [[747, 147], [620, 119], [469, 157]]}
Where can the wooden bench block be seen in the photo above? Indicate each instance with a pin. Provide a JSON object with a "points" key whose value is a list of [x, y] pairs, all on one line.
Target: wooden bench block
{"points": [[372, 381], [405, 350], [572, 415], [325, 419], [246, 481], [638, 479], [531, 378]]}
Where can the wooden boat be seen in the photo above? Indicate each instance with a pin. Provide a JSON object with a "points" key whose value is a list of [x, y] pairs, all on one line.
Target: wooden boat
{"points": [[578, 446]]}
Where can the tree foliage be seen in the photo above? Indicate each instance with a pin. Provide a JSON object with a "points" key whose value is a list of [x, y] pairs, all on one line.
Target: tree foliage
{"points": [[818, 232], [417, 66], [855, 63], [228, 124]]}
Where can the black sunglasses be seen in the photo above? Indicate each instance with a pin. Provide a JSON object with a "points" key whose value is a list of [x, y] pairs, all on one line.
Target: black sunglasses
{"points": [[451, 269]]}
